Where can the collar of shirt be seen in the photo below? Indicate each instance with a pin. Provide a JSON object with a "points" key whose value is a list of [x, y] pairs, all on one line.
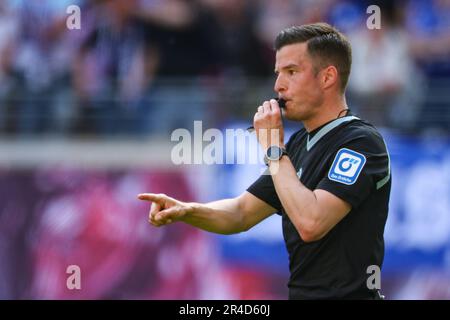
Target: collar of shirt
{"points": [[315, 135]]}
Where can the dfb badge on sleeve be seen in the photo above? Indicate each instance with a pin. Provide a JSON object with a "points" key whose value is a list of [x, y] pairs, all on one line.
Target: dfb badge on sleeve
{"points": [[347, 166]]}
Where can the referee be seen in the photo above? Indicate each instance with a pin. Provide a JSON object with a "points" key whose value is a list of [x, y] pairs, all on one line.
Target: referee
{"points": [[330, 182]]}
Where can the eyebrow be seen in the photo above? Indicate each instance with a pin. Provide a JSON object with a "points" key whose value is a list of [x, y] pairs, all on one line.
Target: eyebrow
{"points": [[289, 66]]}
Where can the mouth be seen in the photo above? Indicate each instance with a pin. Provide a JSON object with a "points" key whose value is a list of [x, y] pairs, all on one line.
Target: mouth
{"points": [[282, 102], [286, 102]]}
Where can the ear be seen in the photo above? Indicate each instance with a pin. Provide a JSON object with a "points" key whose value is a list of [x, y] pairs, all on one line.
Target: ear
{"points": [[329, 77]]}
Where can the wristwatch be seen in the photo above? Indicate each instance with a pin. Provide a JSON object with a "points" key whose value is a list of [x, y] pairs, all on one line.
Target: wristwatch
{"points": [[274, 153]]}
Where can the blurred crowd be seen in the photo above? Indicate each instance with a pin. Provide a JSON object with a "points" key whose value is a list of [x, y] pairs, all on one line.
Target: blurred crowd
{"points": [[141, 67]]}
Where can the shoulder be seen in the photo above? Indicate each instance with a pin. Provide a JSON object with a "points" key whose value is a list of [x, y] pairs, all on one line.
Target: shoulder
{"points": [[362, 134]]}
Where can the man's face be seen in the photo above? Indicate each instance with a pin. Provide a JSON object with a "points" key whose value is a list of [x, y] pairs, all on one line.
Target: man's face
{"points": [[297, 82]]}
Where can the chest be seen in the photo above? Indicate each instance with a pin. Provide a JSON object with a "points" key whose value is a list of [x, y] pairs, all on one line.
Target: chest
{"points": [[312, 164]]}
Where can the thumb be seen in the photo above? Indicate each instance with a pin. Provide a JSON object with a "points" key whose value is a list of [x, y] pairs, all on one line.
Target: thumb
{"points": [[171, 213]]}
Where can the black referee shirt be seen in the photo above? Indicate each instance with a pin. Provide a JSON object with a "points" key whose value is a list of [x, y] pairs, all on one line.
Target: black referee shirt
{"points": [[347, 157]]}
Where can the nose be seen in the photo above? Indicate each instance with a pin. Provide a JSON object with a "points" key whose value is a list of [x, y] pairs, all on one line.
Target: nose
{"points": [[279, 85]]}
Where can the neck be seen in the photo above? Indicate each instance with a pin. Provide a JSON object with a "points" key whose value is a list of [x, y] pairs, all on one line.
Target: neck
{"points": [[328, 111]]}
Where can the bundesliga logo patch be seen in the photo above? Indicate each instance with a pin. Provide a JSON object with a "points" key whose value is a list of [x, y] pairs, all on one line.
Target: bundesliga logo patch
{"points": [[347, 166]]}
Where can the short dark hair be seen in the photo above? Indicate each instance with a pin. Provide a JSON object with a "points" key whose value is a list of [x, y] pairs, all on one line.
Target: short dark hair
{"points": [[325, 44]]}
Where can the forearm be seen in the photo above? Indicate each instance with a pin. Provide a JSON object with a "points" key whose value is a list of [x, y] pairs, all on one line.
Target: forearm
{"points": [[299, 202], [223, 216]]}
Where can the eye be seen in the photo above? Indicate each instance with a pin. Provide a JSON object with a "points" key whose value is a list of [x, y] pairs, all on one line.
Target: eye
{"points": [[291, 72]]}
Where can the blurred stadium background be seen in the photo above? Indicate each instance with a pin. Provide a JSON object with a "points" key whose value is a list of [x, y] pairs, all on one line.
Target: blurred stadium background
{"points": [[85, 123]]}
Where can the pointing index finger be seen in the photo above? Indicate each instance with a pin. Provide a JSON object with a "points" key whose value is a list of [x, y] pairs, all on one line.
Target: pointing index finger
{"points": [[149, 197]]}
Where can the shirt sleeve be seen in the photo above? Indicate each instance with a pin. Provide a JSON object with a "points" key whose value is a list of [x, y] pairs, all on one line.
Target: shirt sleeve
{"points": [[264, 189], [357, 169]]}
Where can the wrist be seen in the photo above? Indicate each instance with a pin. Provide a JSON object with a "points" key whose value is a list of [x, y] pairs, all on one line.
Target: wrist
{"points": [[265, 147], [191, 208], [274, 153]]}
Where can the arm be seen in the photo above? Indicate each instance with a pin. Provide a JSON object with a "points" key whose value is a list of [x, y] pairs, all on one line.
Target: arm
{"points": [[313, 213], [224, 216]]}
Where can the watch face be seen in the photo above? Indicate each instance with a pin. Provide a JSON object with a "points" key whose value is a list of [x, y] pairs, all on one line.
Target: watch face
{"points": [[274, 153]]}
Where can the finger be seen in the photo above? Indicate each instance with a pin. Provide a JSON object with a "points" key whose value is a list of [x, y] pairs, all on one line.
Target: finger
{"points": [[267, 107], [150, 197], [154, 221], [168, 214], [154, 209], [162, 216], [156, 224], [275, 106], [161, 223], [260, 109]]}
